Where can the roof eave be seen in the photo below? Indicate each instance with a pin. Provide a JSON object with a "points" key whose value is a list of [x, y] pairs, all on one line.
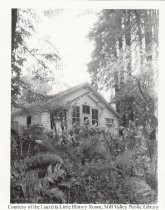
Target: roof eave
{"points": [[104, 101]]}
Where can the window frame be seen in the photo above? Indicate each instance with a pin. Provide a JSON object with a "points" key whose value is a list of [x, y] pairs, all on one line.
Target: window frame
{"points": [[76, 115], [109, 121], [85, 109], [95, 116]]}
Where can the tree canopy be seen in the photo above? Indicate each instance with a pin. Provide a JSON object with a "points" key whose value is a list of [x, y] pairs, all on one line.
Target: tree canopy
{"points": [[124, 60], [37, 62]]}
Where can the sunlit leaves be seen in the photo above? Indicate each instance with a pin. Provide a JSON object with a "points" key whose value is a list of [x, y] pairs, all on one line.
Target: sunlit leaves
{"points": [[37, 61], [124, 60]]}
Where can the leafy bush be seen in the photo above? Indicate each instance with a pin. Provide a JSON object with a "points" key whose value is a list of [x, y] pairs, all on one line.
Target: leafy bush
{"points": [[85, 165]]}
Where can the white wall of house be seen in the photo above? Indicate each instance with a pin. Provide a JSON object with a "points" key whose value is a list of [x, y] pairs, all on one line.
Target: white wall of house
{"points": [[21, 119], [94, 103], [74, 94], [80, 97], [36, 119], [45, 120], [106, 113]]}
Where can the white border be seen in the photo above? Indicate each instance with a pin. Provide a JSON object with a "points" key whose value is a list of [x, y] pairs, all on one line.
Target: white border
{"points": [[5, 43]]}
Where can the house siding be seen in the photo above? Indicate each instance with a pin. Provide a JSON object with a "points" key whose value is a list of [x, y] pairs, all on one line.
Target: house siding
{"points": [[103, 112], [107, 114], [45, 120], [79, 97], [21, 119], [36, 119]]}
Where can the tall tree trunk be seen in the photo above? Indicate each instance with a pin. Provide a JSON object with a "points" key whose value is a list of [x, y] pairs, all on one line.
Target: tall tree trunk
{"points": [[119, 75], [148, 34], [118, 103], [120, 45], [139, 35], [156, 26], [128, 26], [14, 17], [128, 38], [116, 86]]}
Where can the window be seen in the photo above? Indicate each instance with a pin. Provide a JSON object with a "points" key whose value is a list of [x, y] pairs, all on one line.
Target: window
{"points": [[109, 121], [85, 119], [86, 109], [29, 120], [76, 115], [94, 116]]}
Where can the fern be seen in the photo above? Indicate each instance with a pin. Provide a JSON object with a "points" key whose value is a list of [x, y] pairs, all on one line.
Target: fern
{"points": [[125, 163], [90, 167], [35, 174], [37, 161], [140, 190], [55, 193]]}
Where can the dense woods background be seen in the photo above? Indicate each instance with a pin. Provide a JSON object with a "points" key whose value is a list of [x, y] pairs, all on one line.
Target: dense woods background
{"points": [[125, 60], [88, 165]]}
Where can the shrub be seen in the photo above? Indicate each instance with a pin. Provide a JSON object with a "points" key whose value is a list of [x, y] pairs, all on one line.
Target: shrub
{"points": [[85, 165]]}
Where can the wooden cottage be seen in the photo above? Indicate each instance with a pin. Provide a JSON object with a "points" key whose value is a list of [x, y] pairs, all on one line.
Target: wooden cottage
{"points": [[77, 105]]}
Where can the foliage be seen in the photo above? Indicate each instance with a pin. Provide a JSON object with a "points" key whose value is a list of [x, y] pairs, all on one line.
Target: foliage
{"points": [[42, 58], [124, 61], [90, 166]]}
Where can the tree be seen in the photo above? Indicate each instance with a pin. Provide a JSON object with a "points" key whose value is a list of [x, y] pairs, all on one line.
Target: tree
{"points": [[122, 58], [125, 60], [24, 23]]}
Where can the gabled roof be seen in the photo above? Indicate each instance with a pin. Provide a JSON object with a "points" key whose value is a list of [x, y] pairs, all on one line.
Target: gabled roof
{"points": [[103, 100], [56, 98]]}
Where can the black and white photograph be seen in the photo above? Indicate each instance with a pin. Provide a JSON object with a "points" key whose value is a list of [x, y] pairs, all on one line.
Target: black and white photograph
{"points": [[84, 107]]}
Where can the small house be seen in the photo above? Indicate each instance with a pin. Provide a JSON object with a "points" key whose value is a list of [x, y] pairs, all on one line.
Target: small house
{"points": [[77, 105]]}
